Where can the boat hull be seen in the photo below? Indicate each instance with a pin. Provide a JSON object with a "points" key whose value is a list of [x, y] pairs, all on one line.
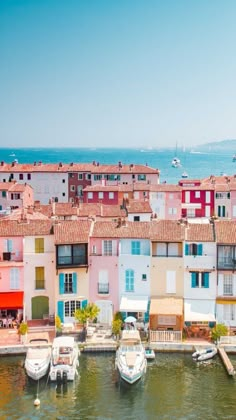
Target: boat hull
{"points": [[204, 354], [37, 362]]}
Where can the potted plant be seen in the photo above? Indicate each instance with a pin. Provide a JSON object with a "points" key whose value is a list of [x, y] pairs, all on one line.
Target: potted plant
{"points": [[22, 331], [58, 325]]}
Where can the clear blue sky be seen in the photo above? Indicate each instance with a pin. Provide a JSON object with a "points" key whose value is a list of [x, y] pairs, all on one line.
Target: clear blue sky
{"points": [[117, 72]]}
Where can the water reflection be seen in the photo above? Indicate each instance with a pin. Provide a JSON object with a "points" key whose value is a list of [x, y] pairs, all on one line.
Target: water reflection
{"points": [[174, 387]]}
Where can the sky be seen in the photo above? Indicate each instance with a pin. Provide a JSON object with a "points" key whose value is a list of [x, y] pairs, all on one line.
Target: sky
{"points": [[117, 73]]}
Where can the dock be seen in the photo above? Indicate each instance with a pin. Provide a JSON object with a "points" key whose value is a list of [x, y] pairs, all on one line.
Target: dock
{"points": [[227, 363]]}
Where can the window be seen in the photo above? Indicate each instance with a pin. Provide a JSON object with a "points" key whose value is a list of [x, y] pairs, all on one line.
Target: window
{"points": [[229, 312], [208, 197], [111, 195], [228, 285], [71, 175], [28, 176], [234, 211], [107, 247], [135, 248], [39, 278], [197, 194], [94, 249], [129, 280], [103, 284], [221, 211], [63, 181], [142, 177], [193, 249], [4, 194], [67, 283], [88, 177], [97, 177], [136, 218], [172, 210], [200, 280], [39, 245], [90, 195], [21, 177], [100, 195], [80, 176], [187, 197], [144, 277], [72, 187], [63, 194], [191, 213], [14, 279], [68, 286], [72, 254], [71, 306], [15, 196]]}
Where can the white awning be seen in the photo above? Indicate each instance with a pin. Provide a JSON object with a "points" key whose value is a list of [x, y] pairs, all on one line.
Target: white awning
{"points": [[199, 310], [134, 304]]}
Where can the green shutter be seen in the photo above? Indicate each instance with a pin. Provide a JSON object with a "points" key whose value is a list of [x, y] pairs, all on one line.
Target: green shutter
{"points": [[146, 315], [186, 249], [193, 278], [74, 277], [84, 303], [206, 280], [199, 249], [60, 310], [61, 283]]}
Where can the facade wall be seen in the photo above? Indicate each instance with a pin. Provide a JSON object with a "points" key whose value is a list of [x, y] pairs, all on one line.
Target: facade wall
{"points": [[46, 259], [160, 266]]}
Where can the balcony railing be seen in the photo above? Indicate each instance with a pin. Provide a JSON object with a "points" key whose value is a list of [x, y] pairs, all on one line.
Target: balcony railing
{"points": [[103, 288], [227, 263]]}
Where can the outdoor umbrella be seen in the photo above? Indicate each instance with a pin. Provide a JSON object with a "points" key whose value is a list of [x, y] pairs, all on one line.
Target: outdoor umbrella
{"points": [[130, 319]]}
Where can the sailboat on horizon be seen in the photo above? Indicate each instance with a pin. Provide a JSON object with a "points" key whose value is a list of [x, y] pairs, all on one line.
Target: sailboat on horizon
{"points": [[176, 163]]}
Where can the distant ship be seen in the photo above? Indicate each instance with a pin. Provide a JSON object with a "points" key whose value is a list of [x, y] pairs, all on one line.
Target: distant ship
{"points": [[234, 158], [12, 154]]}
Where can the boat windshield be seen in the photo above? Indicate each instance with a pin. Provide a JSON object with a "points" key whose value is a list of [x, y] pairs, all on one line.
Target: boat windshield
{"points": [[135, 347]]}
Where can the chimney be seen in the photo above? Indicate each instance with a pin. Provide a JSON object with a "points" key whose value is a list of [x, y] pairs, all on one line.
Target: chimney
{"points": [[60, 165], [40, 163], [34, 163], [71, 164], [120, 164], [2, 163]]}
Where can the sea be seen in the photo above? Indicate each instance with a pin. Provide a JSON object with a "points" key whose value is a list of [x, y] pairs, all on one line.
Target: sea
{"points": [[198, 165]]}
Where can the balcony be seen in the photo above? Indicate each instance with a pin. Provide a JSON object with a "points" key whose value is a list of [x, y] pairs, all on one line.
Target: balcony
{"points": [[226, 264], [103, 288], [75, 261]]}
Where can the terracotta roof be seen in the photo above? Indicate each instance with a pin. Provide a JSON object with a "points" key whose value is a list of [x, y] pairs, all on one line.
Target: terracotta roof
{"points": [[19, 187], [75, 167], [4, 186], [100, 187], [25, 228], [72, 231], [136, 230], [200, 232], [136, 206], [25, 214], [64, 209], [167, 231], [101, 210], [165, 188], [225, 232]]}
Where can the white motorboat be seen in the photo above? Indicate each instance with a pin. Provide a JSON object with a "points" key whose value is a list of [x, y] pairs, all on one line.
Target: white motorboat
{"points": [[184, 174], [38, 358], [204, 354], [131, 360], [175, 162], [64, 360], [150, 354]]}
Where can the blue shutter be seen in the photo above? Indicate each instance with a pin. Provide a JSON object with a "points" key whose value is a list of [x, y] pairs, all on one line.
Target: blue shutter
{"points": [[193, 278], [84, 303], [186, 249], [61, 283], [123, 314], [9, 245], [146, 315], [74, 277], [132, 248], [60, 310], [206, 280], [199, 249]]}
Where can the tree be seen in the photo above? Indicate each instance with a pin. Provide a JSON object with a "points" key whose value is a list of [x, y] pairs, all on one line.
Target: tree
{"points": [[116, 326], [218, 331], [86, 314]]}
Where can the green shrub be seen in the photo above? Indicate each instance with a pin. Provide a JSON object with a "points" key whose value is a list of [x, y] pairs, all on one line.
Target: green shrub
{"points": [[218, 331]]}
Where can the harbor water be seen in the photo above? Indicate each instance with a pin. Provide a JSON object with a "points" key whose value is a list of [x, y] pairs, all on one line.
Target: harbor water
{"points": [[174, 387]]}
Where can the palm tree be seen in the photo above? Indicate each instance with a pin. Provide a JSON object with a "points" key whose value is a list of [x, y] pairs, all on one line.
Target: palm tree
{"points": [[86, 314]]}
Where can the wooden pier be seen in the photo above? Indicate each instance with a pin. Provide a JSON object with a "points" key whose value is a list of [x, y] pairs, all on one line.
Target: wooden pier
{"points": [[227, 363]]}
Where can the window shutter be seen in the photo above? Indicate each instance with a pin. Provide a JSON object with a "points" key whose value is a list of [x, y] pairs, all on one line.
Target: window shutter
{"points": [[123, 314], [146, 315], [9, 245], [74, 277], [206, 280], [193, 277], [84, 303], [61, 283], [60, 310], [199, 250], [186, 249]]}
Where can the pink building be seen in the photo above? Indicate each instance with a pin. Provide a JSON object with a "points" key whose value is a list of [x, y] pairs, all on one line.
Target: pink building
{"points": [[103, 270], [14, 195]]}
